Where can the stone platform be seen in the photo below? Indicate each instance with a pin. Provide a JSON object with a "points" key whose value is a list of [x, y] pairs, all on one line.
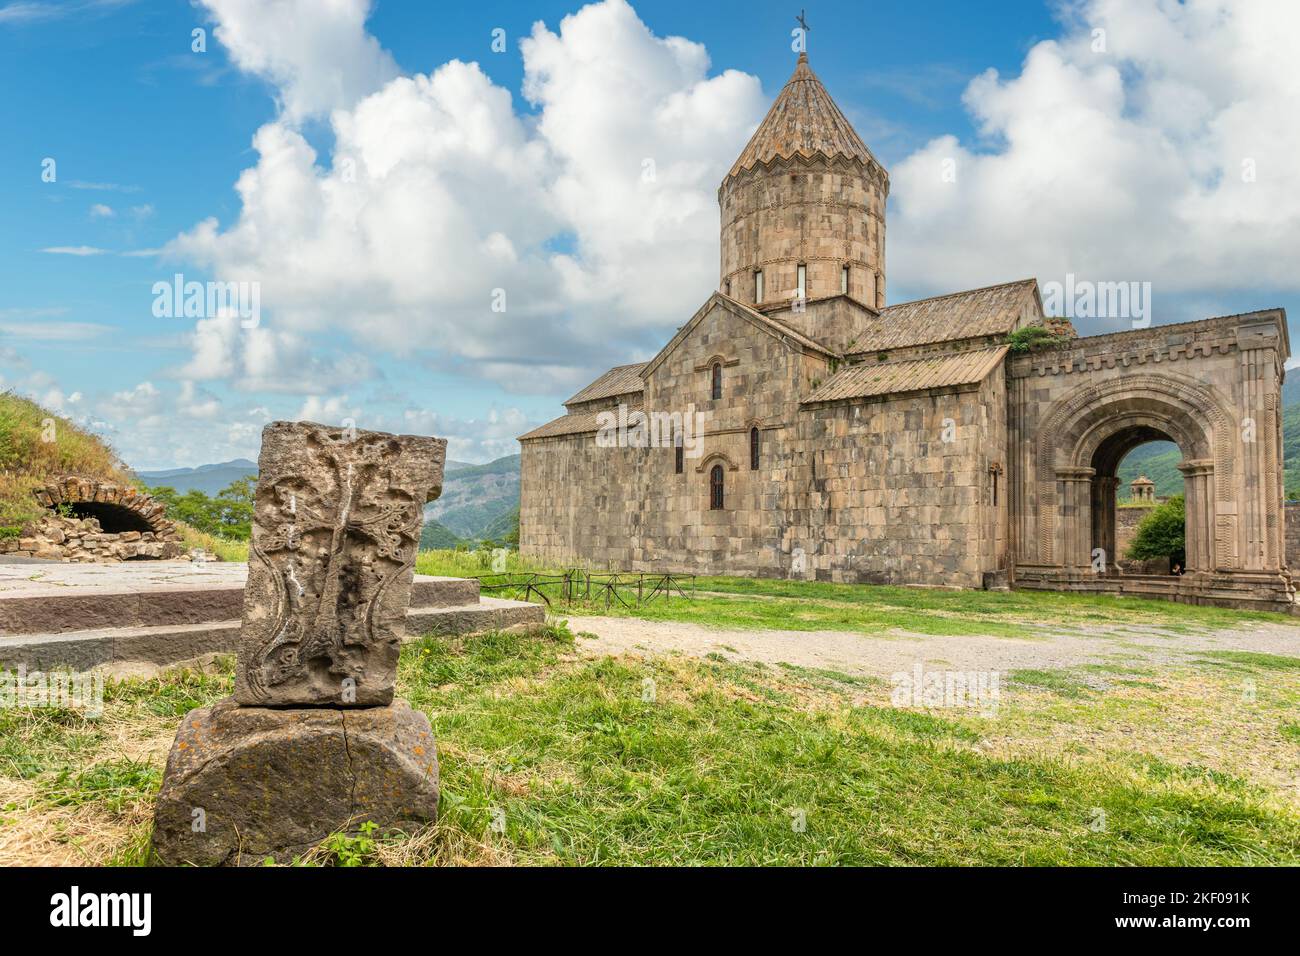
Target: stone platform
{"points": [[159, 612]]}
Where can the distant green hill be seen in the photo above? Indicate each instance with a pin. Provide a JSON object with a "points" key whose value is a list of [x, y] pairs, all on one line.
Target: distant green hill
{"points": [[476, 498], [1159, 460], [435, 535]]}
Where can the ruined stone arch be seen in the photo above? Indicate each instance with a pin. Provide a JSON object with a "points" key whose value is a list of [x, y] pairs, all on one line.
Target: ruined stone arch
{"points": [[1085, 435]]}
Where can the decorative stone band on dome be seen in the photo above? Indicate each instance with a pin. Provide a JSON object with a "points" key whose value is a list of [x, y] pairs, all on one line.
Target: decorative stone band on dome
{"points": [[804, 122]]}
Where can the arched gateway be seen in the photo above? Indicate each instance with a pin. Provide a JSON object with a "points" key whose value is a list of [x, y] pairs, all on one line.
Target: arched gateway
{"points": [[904, 443], [1213, 388]]}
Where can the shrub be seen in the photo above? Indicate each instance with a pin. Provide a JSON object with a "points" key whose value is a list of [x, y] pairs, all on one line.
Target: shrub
{"points": [[1035, 338], [1161, 533]]}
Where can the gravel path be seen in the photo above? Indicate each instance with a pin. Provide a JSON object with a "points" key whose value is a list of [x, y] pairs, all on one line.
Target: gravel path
{"points": [[883, 654]]}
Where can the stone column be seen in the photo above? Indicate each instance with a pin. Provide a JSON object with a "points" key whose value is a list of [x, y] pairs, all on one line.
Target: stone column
{"points": [[1074, 492], [1104, 488], [1198, 498], [1262, 535]]}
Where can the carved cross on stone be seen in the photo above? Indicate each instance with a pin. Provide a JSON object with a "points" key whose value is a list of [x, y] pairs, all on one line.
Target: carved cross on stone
{"points": [[336, 526]]}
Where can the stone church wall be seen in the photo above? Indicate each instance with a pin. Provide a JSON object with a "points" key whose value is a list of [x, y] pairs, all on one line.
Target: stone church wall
{"points": [[865, 492]]}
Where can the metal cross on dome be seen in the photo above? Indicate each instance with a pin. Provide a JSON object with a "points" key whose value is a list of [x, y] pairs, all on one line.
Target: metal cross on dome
{"points": [[803, 24]]}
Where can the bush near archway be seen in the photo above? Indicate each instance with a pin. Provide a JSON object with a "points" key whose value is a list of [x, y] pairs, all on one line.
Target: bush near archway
{"points": [[1162, 534]]}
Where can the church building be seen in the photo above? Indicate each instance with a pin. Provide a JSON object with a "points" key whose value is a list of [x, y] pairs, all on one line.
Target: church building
{"points": [[799, 425]]}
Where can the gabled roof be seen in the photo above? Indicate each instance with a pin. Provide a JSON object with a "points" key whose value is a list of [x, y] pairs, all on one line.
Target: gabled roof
{"points": [[887, 378], [620, 380], [804, 121], [774, 327], [573, 424], [993, 310]]}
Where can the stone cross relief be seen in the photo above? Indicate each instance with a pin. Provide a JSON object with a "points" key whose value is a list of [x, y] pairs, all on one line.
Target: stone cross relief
{"points": [[336, 526]]}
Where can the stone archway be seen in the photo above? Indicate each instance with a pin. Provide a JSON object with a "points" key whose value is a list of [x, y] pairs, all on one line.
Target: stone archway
{"points": [[95, 520], [1213, 389], [1086, 435]]}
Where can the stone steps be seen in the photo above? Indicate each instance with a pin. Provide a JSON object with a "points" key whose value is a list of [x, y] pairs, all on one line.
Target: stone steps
{"points": [[66, 598], [171, 643]]}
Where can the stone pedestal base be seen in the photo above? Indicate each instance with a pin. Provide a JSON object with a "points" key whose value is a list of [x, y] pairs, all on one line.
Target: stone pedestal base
{"points": [[245, 783]]}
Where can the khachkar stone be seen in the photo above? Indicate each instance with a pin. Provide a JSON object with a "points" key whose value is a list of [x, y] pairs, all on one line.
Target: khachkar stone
{"points": [[336, 526], [313, 742]]}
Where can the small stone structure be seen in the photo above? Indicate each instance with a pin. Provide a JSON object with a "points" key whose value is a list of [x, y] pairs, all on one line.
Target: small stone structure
{"points": [[313, 742], [94, 520], [1142, 488]]}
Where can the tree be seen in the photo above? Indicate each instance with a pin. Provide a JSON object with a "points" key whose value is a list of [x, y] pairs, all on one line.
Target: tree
{"points": [[228, 515], [1162, 533]]}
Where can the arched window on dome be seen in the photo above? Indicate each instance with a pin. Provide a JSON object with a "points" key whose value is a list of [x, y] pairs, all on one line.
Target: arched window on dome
{"points": [[754, 448]]}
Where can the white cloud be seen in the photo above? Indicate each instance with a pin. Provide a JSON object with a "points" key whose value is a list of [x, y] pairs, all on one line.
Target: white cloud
{"points": [[54, 331], [476, 440], [74, 250], [315, 52], [263, 359], [1120, 165], [101, 211], [438, 193]]}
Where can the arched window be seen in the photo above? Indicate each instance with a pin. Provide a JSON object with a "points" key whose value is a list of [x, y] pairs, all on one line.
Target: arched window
{"points": [[753, 448], [679, 453], [715, 488], [717, 379]]}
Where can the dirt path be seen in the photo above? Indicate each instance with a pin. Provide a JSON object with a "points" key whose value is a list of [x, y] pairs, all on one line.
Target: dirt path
{"points": [[886, 653]]}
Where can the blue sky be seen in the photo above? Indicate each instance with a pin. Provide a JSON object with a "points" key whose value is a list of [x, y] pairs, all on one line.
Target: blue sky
{"points": [[150, 138]]}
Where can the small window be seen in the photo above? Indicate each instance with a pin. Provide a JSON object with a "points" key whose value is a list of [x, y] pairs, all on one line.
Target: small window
{"points": [[717, 380], [726, 287], [802, 280], [880, 291], [679, 453], [844, 280], [758, 286], [753, 449], [715, 488]]}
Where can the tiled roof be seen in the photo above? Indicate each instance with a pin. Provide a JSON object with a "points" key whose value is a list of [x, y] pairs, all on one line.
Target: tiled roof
{"points": [[579, 424], [989, 311], [620, 380], [886, 378], [804, 120]]}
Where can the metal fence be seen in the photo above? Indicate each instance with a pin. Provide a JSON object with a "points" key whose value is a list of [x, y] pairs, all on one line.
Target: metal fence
{"points": [[626, 588]]}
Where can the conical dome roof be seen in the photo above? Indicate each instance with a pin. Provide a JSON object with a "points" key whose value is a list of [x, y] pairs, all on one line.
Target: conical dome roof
{"points": [[805, 121]]}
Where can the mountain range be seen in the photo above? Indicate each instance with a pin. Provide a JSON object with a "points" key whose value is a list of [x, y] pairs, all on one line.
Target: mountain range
{"points": [[208, 479], [477, 502]]}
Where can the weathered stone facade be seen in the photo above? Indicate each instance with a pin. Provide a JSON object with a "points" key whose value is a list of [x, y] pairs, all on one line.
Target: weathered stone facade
{"points": [[847, 440]]}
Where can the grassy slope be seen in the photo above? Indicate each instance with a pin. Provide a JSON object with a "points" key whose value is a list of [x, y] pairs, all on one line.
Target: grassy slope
{"points": [[27, 461], [717, 766]]}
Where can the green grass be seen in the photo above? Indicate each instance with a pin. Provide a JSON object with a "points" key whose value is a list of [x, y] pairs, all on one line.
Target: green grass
{"points": [[36, 444], [773, 604], [586, 771], [1254, 659], [719, 765]]}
